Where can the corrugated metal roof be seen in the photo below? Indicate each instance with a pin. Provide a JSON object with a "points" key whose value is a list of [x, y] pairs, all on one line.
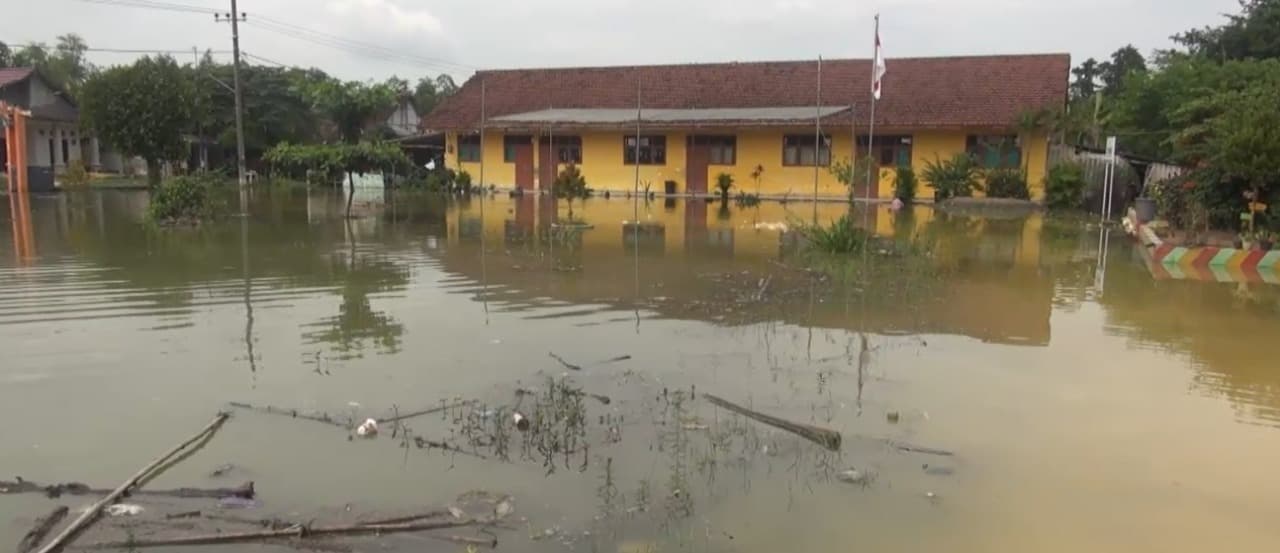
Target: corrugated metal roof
{"points": [[592, 116]]}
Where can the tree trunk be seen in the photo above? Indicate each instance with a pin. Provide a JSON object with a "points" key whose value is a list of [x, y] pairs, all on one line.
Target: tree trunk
{"points": [[153, 173], [351, 192]]}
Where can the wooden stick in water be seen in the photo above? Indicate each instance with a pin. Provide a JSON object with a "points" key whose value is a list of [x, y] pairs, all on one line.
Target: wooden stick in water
{"points": [[89, 516], [294, 413], [43, 525], [829, 439], [297, 531], [76, 488]]}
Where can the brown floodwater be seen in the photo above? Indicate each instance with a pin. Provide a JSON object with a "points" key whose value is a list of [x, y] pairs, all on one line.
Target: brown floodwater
{"points": [[1086, 406]]}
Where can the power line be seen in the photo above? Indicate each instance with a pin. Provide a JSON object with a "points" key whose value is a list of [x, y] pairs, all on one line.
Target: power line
{"points": [[128, 50], [155, 5], [267, 60], [354, 47], [361, 44]]}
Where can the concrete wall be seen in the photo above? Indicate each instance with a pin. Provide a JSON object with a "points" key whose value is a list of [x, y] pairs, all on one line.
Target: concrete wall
{"points": [[602, 162]]}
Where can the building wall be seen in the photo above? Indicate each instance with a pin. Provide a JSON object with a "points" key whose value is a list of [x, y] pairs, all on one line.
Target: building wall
{"points": [[602, 162]]}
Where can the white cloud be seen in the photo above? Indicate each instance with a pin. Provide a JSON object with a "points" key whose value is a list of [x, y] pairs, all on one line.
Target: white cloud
{"points": [[385, 15]]}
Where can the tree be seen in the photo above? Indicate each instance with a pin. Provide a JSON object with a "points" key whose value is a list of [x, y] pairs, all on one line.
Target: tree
{"points": [[67, 67], [351, 106], [1086, 76], [1124, 62], [31, 55], [6, 55], [428, 93], [570, 184], [141, 110], [1242, 139], [1253, 33]]}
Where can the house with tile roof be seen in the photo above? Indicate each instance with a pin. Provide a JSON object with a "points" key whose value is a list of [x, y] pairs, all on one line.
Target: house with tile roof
{"points": [[54, 137], [780, 121]]}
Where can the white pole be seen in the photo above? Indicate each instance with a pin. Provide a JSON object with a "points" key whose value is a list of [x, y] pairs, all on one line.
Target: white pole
{"points": [[871, 127]]}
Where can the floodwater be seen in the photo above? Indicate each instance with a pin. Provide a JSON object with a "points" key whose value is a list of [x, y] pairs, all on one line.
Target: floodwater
{"points": [[1086, 406]]}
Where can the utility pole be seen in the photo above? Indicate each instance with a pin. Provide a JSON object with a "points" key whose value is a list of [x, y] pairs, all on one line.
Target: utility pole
{"points": [[236, 17]]}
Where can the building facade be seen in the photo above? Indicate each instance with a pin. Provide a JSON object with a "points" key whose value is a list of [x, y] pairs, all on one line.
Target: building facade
{"points": [[775, 127], [54, 137]]}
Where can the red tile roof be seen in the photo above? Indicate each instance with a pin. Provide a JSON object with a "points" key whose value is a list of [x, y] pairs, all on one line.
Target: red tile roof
{"points": [[10, 75], [974, 91]]}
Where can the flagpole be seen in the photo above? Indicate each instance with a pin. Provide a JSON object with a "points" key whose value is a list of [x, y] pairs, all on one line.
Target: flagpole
{"points": [[817, 141], [871, 127]]}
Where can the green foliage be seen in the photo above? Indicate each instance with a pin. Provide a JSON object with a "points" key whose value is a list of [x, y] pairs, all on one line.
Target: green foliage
{"points": [[724, 182], [1253, 33], [352, 106], [570, 184], [463, 181], [746, 200], [952, 178], [1064, 186], [275, 110], [1007, 183], [905, 183], [329, 162], [186, 198], [76, 176], [855, 174], [140, 109], [430, 92], [838, 237], [64, 67]]}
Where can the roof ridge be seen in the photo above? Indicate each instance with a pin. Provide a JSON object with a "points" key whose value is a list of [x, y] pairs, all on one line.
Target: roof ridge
{"points": [[768, 62]]}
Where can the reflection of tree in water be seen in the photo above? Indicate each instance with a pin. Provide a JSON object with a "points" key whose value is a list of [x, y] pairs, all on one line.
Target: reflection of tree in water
{"points": [[357, 322]]}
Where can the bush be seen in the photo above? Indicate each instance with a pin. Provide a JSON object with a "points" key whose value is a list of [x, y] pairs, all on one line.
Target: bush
{"points": [[463, 181], [840, 236], [1064, 186], [724, 182], [1007, 183], [746, 200], [853, 174], [571, 184], [76, 175], [186, 198], [905, 184], [952, 178]]}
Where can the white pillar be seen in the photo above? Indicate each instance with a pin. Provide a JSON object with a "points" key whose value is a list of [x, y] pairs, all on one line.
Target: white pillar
{"points": [[95, 154]]}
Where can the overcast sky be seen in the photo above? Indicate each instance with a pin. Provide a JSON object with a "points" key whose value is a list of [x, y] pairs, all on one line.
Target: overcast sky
{"points": [[519, 33]]}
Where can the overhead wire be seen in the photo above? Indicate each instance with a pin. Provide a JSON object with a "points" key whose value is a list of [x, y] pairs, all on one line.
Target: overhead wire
{"points": [[156, 5]]}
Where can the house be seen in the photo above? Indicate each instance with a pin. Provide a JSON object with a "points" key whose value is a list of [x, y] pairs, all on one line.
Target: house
{"points": [[699, 120], [54, 138]]}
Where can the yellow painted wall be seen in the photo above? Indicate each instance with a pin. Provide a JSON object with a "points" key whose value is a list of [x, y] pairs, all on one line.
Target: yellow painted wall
{"points": [[602, 163]]}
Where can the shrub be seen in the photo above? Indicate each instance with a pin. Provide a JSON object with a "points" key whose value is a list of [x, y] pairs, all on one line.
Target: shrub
{"points": [[839, 236], [724, 182], [746, 200], [854, 174], [186, 198], [955, 177], [1064, 186], [571, 184], [462, 181], [1007, 183], [76, 175], [905, 184]]}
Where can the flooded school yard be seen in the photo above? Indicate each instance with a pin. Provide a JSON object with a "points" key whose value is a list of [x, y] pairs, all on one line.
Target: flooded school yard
{"points": [[1021, 384]]}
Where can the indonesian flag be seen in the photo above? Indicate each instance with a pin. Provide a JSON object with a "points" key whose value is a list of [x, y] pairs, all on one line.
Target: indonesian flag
{"points": [[878, 71]]}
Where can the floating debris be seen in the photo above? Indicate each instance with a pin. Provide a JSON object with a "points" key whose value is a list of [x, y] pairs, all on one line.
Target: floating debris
{"points": [[123, 510], [367, 429]]}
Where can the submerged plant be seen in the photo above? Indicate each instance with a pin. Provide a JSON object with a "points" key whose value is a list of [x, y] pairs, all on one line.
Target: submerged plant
{"points": [[724, 182], [840, 236], [952, 178]]}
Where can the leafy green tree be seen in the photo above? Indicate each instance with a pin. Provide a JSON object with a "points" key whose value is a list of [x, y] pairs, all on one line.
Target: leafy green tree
{"points": [[1241, 139], [570, 184], [352, 106], [1253, 33], [6, 55], [64, 66], [428, 93], [1086, 76], [31, 55], [1124, 62], [275, 109], [141, 110]]}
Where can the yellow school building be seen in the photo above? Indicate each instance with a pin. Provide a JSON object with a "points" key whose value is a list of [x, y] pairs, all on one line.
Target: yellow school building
{"points": [[775, 127]]}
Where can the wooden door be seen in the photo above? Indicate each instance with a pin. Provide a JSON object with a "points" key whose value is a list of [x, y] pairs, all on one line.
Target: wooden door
{"points": [[524, 165], [697, 160]]}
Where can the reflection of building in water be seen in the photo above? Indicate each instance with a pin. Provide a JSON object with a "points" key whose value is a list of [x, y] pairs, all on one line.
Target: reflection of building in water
{"points": [[992, 285]]}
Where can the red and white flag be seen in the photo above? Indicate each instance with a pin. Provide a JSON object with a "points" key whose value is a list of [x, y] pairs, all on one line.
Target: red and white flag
{"points": [[878, 71]]}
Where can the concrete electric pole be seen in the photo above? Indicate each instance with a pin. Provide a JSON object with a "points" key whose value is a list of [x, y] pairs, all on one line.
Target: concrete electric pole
{"points": [[236, 17]]}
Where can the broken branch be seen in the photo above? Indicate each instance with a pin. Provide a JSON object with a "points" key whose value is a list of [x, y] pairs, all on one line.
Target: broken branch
{"points": [[296, 531], [43, 526], [398, 418], [95, 510], [829, 439], [566, 364], [294, 413], [76, 488]]}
